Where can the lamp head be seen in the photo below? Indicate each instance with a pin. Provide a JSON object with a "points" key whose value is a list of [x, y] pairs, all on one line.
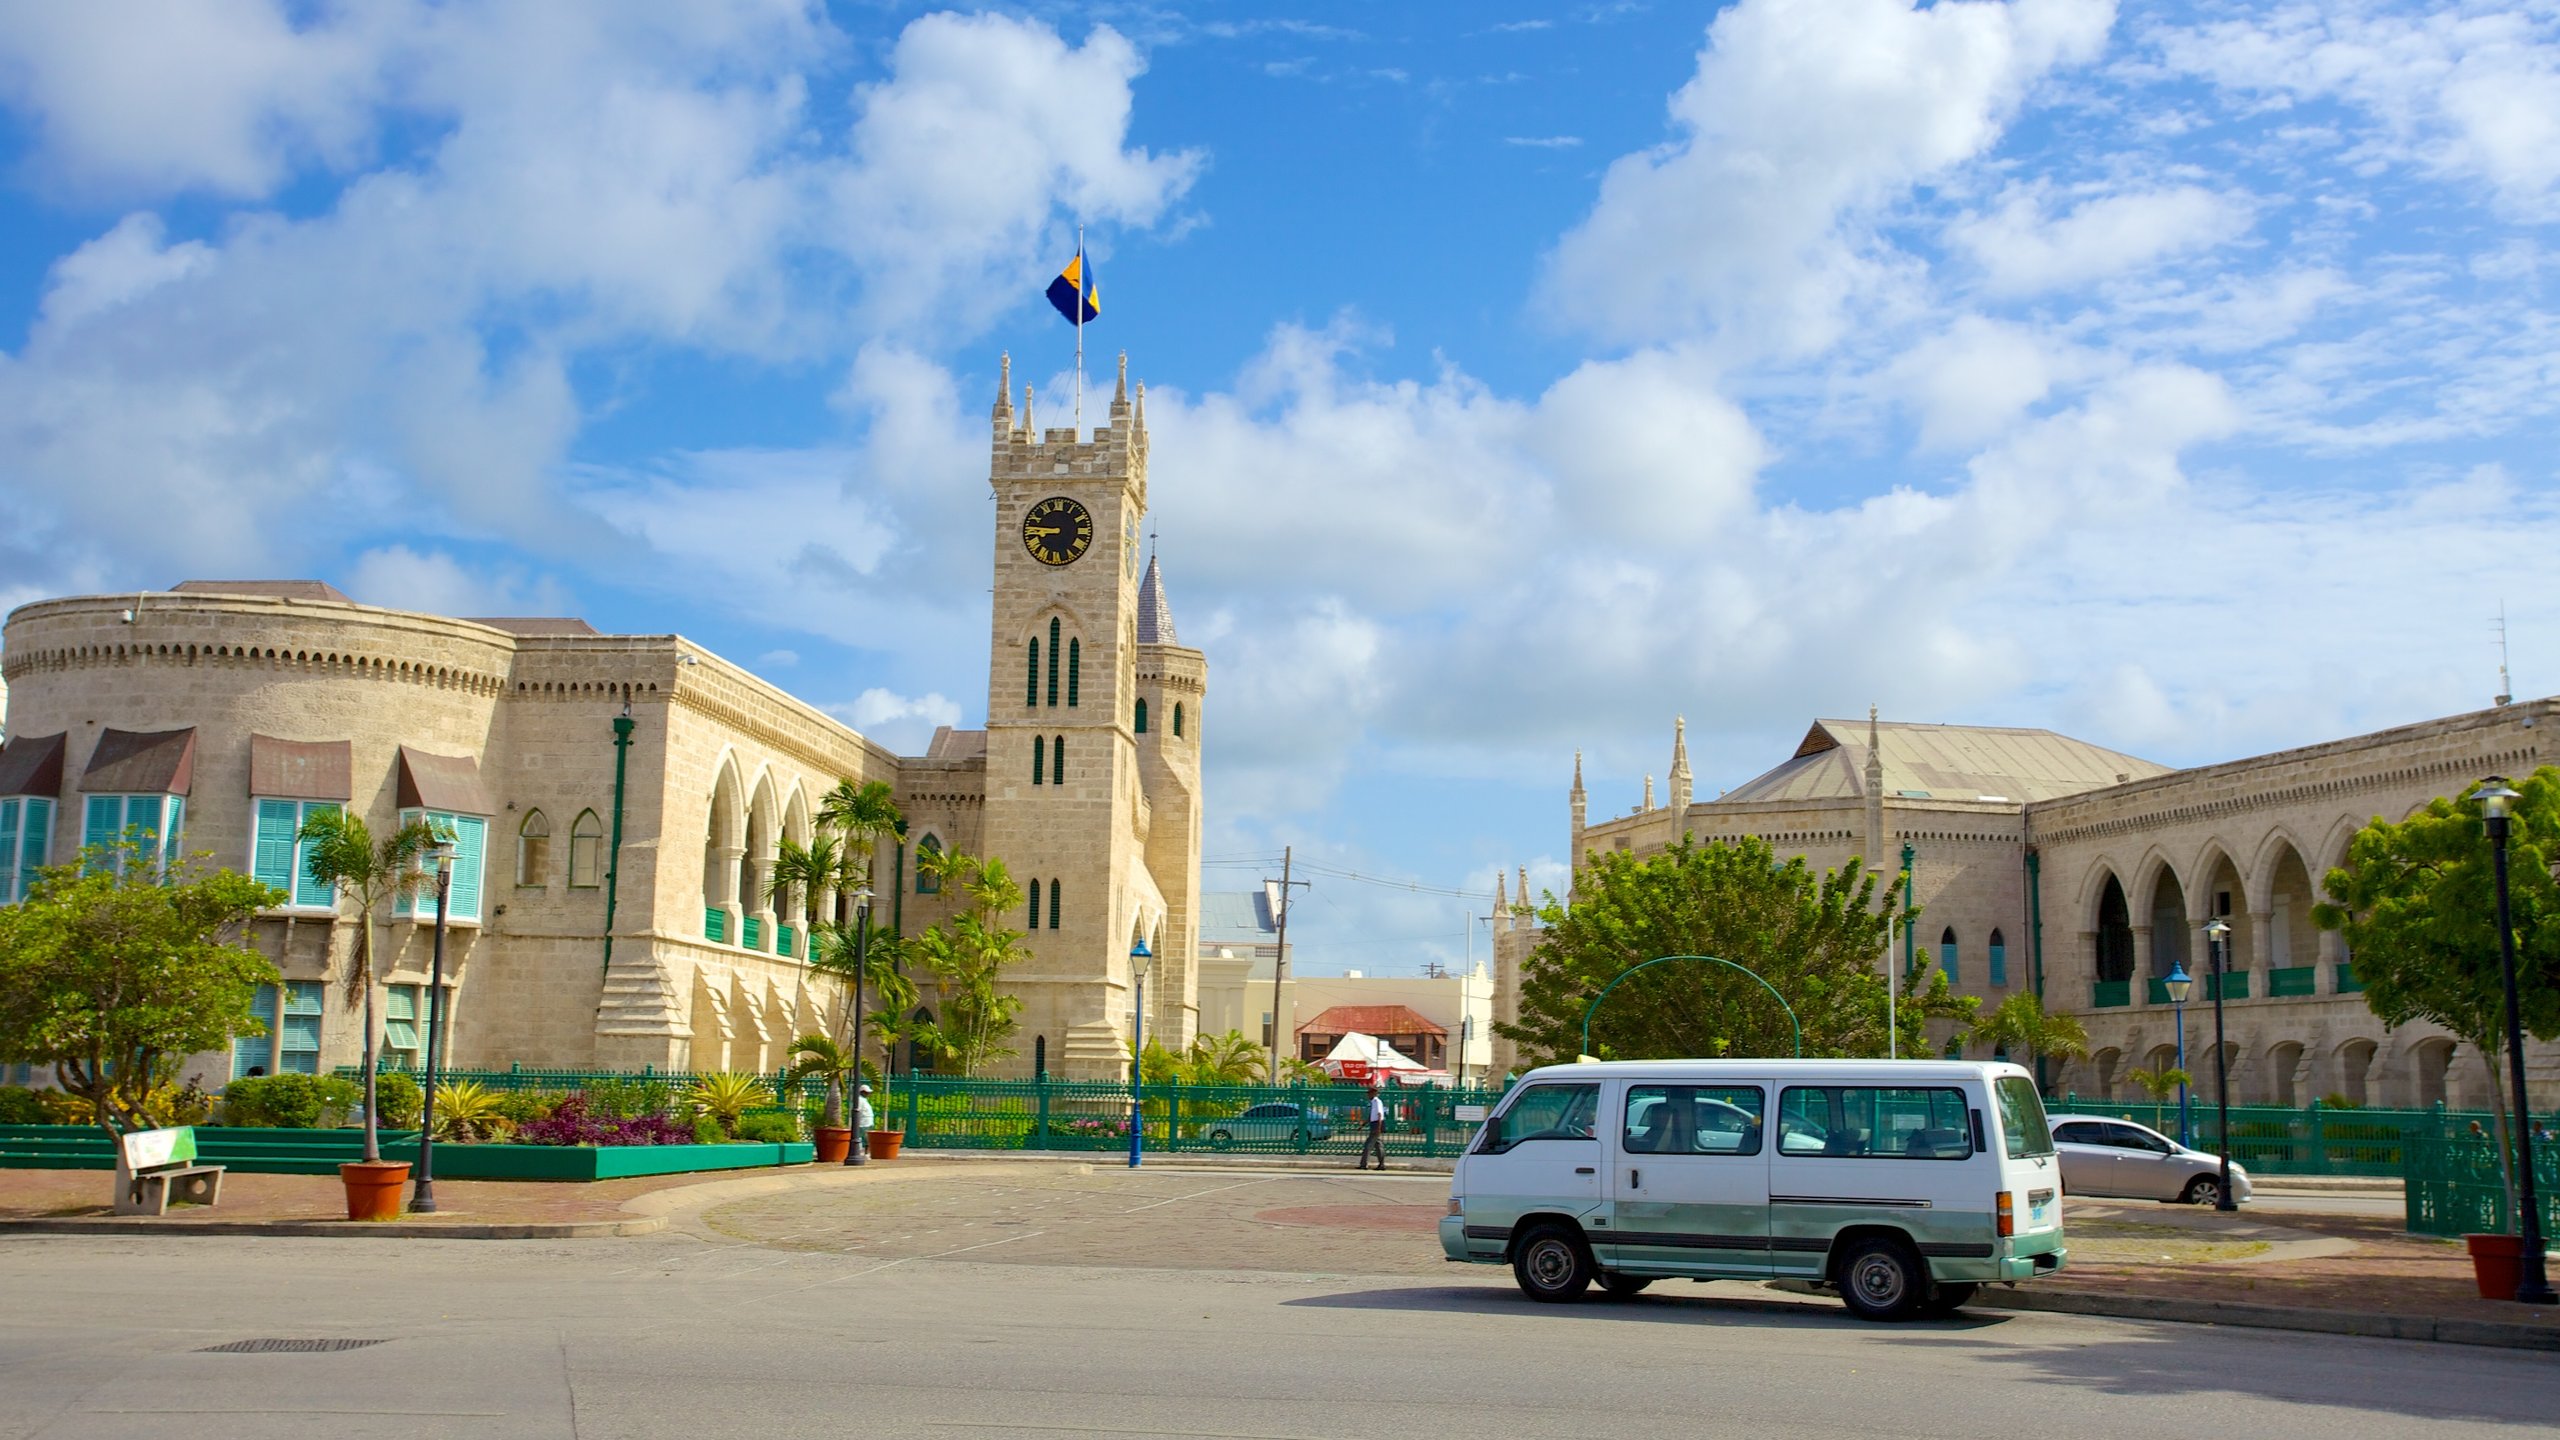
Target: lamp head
{"points": [[2497, 799], [2217, 929], [862, 899], [2178, 983]]}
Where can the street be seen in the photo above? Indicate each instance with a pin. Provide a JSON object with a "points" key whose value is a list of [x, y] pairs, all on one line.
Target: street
{"points": [[1043, 1300]]}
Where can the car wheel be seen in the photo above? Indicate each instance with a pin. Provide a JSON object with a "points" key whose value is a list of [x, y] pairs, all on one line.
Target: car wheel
{"points": [[2203, 1190], [1948, 1298], [1625, 1287], [1221, 1139], [1882, 1279], [1552, 1264]]}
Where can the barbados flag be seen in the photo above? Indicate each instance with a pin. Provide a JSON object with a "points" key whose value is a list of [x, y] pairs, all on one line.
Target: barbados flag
{"points": [[1075, 294]]}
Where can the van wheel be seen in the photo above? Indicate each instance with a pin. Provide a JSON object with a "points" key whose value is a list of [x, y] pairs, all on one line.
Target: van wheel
{"points": [[1624, 1287], [1950, 1297], [1221, 1139], [1552, 1264], [2204, 1190], [1881, 1279]]}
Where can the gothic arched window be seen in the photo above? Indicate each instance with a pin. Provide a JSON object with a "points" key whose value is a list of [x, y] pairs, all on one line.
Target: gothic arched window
{"points": [[1075, 667], [1035, 905], [1142, 717], [586, 851], [533, 850], [927, 882], [1177, 719], [1031, 680], [1999, 960], [1039, 762], [1058, 760], [1947, 952], [1054, 888], [1053, 661]]}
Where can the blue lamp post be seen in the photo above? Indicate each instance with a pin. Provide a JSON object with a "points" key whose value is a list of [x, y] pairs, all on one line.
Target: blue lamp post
{"points": [[2178, 984], [1139, 955]]}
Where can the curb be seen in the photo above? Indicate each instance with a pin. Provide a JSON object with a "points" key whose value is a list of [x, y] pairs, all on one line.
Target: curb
{"points": [[340, 1229], [2500, 1334]]}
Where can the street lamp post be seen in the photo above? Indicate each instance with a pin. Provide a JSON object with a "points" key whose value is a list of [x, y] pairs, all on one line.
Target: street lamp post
{"points": [[2178, 984], [423, 1200], [1139, 955], [860, 1151], [2533, 1284], [2217, 934]]}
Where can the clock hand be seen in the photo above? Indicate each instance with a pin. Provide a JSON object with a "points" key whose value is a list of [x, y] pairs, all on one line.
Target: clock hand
{"points": [[1040, 529]]}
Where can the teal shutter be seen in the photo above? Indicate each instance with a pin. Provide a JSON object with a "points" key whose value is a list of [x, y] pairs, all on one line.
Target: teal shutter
{"points": [[1142, 717], [406, 902], [143, 812], [299, 1051], [271, 856], [1039, 761], [1035, 905], [35, 841], [1031, 682], [471, 836], [101, 821], [400, 1023], [1075, 667], [1999, 963], [9, 824], [258, 1049], [1054, 887], [307, 889], [175, 836]]}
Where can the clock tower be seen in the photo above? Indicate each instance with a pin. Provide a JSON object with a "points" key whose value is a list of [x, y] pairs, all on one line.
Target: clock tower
{"points": [[1092, 802]]}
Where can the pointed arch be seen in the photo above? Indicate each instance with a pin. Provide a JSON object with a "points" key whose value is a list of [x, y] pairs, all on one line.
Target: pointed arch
{"points": [[1035, 906], [1055, 886], [1142, 715], [1177, 719], [533, 850], [1075, 668], [1054, 629], [1031, 679], [1947, 953], [927, 881], [1999, 956], [586, 851], [2113, 923]]}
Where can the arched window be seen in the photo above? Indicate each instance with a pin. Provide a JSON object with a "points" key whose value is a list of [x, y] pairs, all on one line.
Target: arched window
{"points": [[1053, 662], [1039, 762], [1947, 952], [928, 850], [1035, 905], [586, 851], [1054, 888], [1999, 960], [1058, 760], [1031, 677], [919, 1060], [1177, 719], [1075, 667], [1142, 717], [533, 850]]}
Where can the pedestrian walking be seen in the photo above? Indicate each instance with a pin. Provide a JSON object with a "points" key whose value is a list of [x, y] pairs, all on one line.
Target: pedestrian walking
{"points": [[1376, 1144], [861, 1113]]}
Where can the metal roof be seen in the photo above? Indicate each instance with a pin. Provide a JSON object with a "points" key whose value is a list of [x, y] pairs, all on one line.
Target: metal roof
{"points": [[1236, 917], [1943, 762]]}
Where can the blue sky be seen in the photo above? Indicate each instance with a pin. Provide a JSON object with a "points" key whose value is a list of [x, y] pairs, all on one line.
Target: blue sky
{"points": [[2178, 377]]}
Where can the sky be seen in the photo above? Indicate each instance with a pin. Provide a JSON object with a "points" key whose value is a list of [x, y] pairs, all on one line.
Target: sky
{"points": [[1520, 377]]}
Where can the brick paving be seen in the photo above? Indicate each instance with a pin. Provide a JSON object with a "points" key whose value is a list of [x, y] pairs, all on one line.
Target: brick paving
{"points": [[32, 1194]]}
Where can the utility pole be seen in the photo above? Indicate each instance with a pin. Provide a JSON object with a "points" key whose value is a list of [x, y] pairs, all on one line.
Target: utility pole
{"points": [[1280, 960]]}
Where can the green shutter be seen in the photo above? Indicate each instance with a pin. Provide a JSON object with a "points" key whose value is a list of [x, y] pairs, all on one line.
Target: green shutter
{"points": [[1075, 668], [35, 839], [471, 835], [1058, 760], [406, 902], [1035, 905], [300, 1051], [307, 889], [101, 821], [1142, 717], [1039, 760], [271, 855], [1031, 681], [1053, 662], [9, 822], [1054, 887], [1177, 720], [258, 1049], [400, 1019]]}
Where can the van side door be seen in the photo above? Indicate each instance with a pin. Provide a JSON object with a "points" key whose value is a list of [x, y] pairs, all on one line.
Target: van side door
{"points": [[1541, 1153], [1689, 1191], [1897, 1155]]}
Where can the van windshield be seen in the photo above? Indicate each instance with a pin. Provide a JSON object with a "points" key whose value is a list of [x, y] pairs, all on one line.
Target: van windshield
{"points": [[2022, 1124]]}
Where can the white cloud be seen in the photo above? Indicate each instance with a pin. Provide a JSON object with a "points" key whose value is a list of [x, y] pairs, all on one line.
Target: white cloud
{"points": [[2022, 251], [1804, 118], [435, 583], [128, 261], [904, 723], [1972, 380]]}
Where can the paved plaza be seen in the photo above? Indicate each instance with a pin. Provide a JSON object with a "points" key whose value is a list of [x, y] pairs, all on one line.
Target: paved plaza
{"points": [[1065, 1299]]}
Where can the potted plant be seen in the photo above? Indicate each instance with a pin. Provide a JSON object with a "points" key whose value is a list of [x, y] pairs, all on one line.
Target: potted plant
{"points": [[343, 854], [886, 1138], [822, 1057]]}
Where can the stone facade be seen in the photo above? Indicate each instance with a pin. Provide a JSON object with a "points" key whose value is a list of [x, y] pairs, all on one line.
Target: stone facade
{"points": [[708, 969], [2093, 873]]}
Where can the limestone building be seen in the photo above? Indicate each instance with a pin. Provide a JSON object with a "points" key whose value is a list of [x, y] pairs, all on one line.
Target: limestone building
{"points": [[218, 715], [2042, 862]]}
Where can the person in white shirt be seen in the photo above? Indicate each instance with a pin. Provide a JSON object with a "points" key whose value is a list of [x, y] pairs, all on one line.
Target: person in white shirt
{"points": [[861, 1113], [1376, 1144]]}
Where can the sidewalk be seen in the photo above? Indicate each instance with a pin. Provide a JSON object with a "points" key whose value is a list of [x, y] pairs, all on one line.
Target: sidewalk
{"points": [[79, 1202]]}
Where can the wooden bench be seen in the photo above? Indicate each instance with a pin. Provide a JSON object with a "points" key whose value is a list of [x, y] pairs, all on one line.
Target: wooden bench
{"points": [[151, 1164]]}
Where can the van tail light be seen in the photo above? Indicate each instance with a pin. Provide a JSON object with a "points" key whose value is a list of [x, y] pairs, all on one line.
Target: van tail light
{"points": [[1454, 1208], [2008, 1205]]}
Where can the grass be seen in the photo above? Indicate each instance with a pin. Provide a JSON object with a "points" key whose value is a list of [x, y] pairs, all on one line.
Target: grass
{"points": [[2129, 1242]]}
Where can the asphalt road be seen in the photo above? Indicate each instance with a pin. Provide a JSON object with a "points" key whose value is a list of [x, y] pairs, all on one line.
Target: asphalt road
{"points": [[1059, 1302]]}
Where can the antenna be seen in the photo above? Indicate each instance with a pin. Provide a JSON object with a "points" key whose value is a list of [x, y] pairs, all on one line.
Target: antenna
{"points": [[2506, 688]]}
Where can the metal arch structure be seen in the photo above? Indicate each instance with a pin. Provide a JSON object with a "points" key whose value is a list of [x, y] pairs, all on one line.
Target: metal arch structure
{"points": [[1622, 975]]}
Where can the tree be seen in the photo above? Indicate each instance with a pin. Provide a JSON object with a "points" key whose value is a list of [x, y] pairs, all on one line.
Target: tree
{"points": [[833, 951], [968, 954], [1818, 939], [1228, 1059], [865, 815], [2161, 1083], [2021, 1029], [2417, 903], [821, 1056], [343, 854], [114, 970]]}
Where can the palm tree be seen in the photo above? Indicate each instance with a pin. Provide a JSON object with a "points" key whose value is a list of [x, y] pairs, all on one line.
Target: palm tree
{"points": [[2161, 1083], [865, 815], [2021, 1029], [825, 863], [821, 1056], [832, 948], [341, 853], [1228, 1059]]}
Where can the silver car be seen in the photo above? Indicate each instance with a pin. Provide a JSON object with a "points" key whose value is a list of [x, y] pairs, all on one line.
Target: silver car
{"points": [[2118, 1157], [1267, 1124]]}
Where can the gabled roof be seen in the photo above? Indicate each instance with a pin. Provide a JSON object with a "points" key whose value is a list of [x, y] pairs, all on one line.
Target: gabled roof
{"points": [[950, 744], [1943, 762], [1155, 616], [1372, 1020], [1237, 917]]}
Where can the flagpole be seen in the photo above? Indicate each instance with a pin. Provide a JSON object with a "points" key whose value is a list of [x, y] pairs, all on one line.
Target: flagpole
{"points": [[1084, 286]]}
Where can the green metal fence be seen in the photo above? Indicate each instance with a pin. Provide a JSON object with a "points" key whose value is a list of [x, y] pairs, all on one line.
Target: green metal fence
{"points": [[2455, 1188], [2315, 1140]]}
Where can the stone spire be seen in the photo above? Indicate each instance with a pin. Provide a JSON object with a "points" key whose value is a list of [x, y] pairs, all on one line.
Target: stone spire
{"points": [[1875, 795], [1581, 803], [1524, 884], [1501, 904], [1155, 617], [1004, 397], [1028, 428], [1120, 391], [1648, 792], [1680, 763]]}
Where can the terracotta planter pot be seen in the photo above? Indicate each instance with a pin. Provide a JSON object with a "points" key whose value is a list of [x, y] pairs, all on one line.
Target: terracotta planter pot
{"points": [[373, 1188], [834, 1143], [2497, 1263], [885, 1143]]}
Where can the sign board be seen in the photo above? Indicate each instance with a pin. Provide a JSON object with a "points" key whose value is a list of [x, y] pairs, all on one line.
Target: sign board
{"points": [[1470, 1114], [149, 1149]]}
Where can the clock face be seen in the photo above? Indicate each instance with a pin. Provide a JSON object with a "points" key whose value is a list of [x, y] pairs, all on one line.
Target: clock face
{"points": [[1057, 531]]}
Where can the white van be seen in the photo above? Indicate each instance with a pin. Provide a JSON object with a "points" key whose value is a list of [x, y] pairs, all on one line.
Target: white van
{"points": [[1904, 1185]]}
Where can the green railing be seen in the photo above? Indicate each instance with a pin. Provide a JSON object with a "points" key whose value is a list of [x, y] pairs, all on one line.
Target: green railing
{"points": [[2156, 991], [2300, 980], [715, 923], [2348, 984], [2281, 1140], [2111, 994], [2455, 1187]]}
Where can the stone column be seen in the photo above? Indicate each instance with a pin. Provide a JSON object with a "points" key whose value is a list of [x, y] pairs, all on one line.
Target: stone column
{"points": [[2333, 953], [2262, 929], [2141, 964], [2087, 951], [724, 897]]}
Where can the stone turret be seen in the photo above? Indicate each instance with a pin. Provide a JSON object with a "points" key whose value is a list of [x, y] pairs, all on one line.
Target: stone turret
{"points": [[1680, 777], [1875, 794]]}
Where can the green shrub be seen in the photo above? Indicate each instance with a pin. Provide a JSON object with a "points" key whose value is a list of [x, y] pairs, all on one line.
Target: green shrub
{"points": [[22, 1106], [768, 1127], [629, 1099], [291, 1102], [707, 1131], [401, 1098], [2336, 1101], [523, 1107]]}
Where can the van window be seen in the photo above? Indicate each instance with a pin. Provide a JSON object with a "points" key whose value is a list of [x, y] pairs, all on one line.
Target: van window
{"points": [[1874, 1122], [2022, 1124], [1694, 1119], [1544, 1112]]}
